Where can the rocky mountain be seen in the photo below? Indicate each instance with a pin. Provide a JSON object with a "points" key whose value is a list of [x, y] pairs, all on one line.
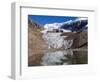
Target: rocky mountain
{"points": [[36, 43], [81, 41], [33, 25], [80, 24], [75, 26]]}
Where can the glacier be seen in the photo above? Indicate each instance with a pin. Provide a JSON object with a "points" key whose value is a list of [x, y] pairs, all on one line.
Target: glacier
{"points": [[56, 41]]}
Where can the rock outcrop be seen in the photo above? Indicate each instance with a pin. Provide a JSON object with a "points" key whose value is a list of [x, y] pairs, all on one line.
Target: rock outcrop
{"points": [[36, 44], [80, 39]]}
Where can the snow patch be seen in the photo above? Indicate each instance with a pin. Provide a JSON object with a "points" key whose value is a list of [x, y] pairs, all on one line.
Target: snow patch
{"points": [[81, 18]]}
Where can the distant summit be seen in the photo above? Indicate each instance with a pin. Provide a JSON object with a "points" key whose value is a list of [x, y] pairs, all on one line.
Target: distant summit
{"points": [[80, 24]]}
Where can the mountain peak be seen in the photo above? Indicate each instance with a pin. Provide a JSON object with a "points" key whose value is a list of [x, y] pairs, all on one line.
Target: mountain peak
{"points": [[80, 24]]}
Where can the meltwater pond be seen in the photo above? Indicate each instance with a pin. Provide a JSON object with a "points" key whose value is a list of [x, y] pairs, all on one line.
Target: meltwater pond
{"points": [[60, 57]]}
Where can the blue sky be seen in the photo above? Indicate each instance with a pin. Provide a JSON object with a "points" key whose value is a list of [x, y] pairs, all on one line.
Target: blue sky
{"points": [[44, 19]]}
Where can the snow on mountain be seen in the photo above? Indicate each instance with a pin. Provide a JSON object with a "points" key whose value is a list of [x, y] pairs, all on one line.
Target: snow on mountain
{"points": [[50, 27], [68, 26], [81, 18], [53, 26], [54, 40], [77, 25]]}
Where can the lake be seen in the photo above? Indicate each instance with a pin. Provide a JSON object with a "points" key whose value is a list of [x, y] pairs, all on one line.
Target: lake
{"points": [[61, 57]]}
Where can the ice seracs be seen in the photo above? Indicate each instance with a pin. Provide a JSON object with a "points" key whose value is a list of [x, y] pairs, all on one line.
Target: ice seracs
{"points": [[56, 41]]}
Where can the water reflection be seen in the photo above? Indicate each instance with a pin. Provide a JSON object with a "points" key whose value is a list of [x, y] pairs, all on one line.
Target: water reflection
{"points": [[64, 57]]}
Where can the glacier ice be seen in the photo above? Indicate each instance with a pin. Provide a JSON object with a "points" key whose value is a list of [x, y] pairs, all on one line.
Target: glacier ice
{"points": [[55, 41]]}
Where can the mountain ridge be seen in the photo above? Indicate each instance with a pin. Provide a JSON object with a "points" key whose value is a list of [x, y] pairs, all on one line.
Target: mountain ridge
{"points": [[80, 24]]}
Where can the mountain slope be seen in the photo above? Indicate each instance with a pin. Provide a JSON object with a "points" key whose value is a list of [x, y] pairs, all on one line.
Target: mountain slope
{"points": [[36, 44], [80, 24]]}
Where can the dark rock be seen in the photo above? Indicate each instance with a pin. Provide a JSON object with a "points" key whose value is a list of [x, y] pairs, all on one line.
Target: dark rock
{"points": [[75, 26]]}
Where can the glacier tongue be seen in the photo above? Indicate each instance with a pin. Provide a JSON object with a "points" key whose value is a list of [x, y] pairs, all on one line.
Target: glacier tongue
{"points": [[55, 41]]}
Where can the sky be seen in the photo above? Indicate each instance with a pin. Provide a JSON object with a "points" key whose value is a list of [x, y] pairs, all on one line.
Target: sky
{"points": [[44, 19]]}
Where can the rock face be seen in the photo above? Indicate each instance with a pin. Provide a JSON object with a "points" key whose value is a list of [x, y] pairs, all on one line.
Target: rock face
{"points": [[80, 39], [33, 24], [36, 44]]}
